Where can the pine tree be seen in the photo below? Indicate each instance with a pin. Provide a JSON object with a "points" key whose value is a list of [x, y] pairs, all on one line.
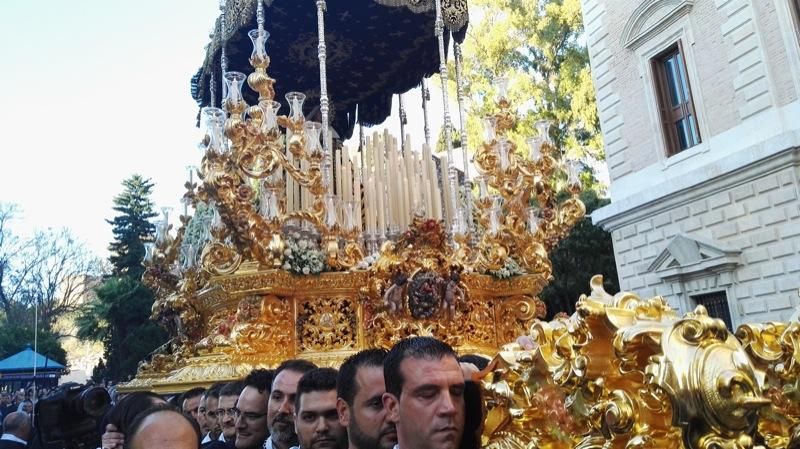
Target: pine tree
{"points": [[120, 314], [132, 227]]}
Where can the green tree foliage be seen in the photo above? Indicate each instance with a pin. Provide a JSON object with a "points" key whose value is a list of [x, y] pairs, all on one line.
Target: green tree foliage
{"points": [[132, 227], [586, 251], [119, 316], [14, 337], [538, 45]]}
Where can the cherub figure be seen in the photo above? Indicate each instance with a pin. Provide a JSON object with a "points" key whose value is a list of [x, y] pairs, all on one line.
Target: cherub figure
{"points": [[453, 294], [393, 298]]}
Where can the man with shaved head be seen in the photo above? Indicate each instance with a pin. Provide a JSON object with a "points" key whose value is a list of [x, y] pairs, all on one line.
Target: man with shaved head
{"points": [[17, 428], [163, 427]]}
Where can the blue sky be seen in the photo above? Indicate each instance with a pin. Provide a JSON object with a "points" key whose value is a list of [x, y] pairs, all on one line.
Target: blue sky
{"points": [[96, 90]]}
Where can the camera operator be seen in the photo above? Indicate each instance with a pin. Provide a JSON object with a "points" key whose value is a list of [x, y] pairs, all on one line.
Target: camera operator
{"points": [[68, 418], [17, 431]]}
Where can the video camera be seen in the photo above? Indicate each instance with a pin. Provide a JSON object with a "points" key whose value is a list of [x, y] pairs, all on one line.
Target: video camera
{"points": [[69, 415]]}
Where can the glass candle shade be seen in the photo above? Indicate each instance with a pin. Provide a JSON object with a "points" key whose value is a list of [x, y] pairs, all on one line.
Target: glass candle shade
{"points": [[234, 82], [312, 134], [483, 187], [149, 249], [259, 40], [543, 129], [533, 219], [573, 176], [188, 256], [502, 154], [501, 86], [330, 211], [349, 216], [495, 213], [535, 147], [270, 122], [295, 100], [489, 125], [213, 119], [269, 205]]}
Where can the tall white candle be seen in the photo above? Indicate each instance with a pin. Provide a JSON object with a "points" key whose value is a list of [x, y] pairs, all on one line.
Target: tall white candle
{"points": [[381, 212], [339, 178], [357, 194]]}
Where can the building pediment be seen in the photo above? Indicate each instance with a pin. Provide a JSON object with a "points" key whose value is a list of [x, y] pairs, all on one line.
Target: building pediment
{"points": [[650, 18], [687, 257]]}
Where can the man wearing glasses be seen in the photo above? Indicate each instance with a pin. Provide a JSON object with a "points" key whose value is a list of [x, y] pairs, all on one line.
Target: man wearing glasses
{"points": [[251, 410], [226, 412]]}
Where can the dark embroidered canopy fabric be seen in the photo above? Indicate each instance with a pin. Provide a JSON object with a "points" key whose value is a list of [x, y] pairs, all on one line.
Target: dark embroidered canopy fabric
{"points": [[373, 52]]}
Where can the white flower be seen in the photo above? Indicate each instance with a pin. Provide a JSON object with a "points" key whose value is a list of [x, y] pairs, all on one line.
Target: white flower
{"points": [[286, 266], [306, 270], [303, 244]]}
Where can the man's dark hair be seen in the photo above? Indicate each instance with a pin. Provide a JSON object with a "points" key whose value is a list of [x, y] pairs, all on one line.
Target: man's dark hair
{"points": [[346, 382], [297, 365], [137, 423], [213, 390], [479, 361], [193, 393], [318, 379], [415, 347], [260, 379], [232, 388], [124, 412]]}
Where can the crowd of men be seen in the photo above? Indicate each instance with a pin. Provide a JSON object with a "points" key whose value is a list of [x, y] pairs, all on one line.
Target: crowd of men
{"points": [[418, 395]]}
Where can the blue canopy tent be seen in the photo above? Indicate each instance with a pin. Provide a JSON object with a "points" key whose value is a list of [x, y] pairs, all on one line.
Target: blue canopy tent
{"points": [[17, 370]]}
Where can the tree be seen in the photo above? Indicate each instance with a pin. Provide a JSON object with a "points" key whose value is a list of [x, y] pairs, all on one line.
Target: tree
{"points": [[538, 46], [132, 227], [586, 251], [119, 315], [15, 337], [50, 272]]}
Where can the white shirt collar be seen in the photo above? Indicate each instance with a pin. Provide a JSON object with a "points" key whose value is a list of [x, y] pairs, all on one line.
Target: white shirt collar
{"points": [[12, 437], [206, 439]]}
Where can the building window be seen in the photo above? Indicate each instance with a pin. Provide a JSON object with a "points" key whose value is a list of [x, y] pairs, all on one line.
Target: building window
{"points": [[678, 117], [717, 305]]}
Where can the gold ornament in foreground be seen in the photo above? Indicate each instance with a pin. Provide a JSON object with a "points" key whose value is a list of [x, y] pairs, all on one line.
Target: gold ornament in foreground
{"points": [[625, 372]]}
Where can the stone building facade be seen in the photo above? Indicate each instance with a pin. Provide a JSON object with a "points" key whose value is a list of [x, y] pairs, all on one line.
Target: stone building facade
{"points": [[699, 103]]}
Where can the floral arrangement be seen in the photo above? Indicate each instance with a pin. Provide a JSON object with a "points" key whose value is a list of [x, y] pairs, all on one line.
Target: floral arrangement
{"points": [[510, 269], [303, 256]]}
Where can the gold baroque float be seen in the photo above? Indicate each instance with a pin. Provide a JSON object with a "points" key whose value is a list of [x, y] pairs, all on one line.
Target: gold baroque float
{"points": [[259, 318], [626, 372]]}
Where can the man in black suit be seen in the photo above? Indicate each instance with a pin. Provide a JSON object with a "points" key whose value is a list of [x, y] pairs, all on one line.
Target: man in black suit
{"points": [[17, 427]]}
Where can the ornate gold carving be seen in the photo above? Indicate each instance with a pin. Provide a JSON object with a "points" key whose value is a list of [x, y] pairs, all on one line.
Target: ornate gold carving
{"points": [[326, 324], [625, 372]]}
